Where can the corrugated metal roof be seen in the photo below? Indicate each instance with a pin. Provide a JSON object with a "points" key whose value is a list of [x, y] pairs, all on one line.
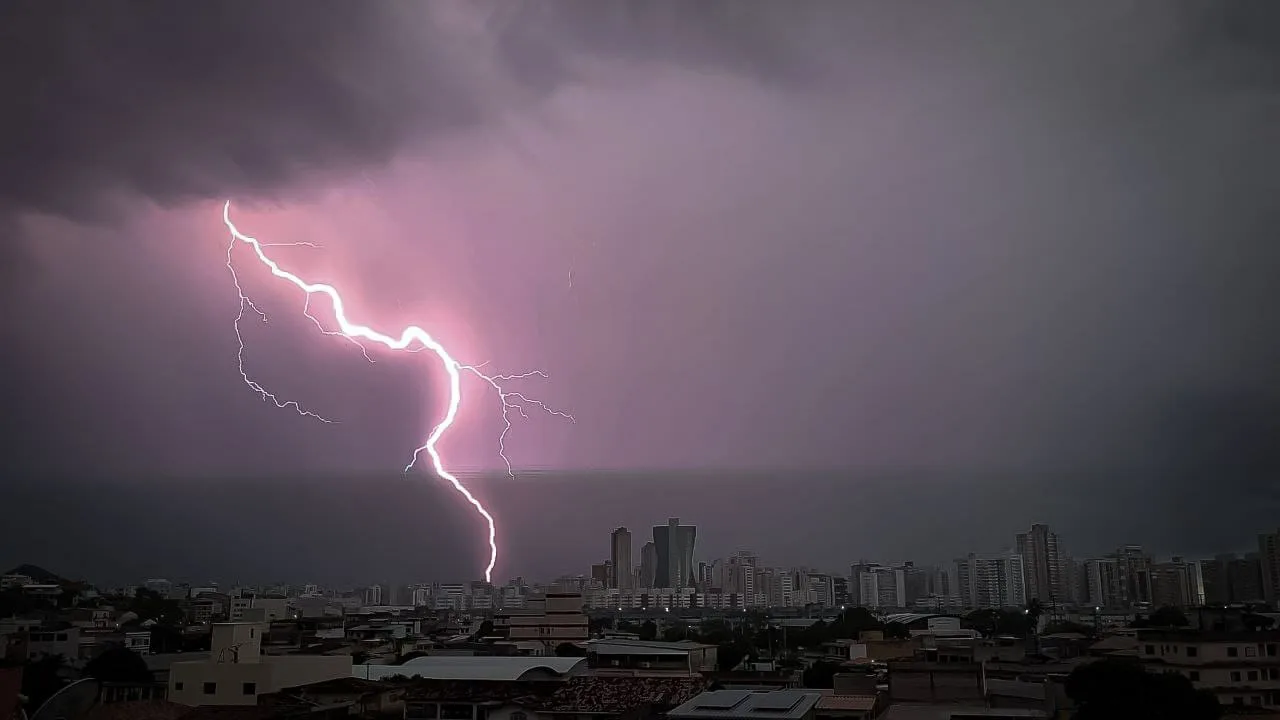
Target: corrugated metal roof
{"points": [[732, 704], [474, 667]]}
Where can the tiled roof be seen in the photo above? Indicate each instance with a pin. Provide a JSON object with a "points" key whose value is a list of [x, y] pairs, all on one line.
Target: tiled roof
{"points": [[620, 694], [847, 702], [138, 710]]}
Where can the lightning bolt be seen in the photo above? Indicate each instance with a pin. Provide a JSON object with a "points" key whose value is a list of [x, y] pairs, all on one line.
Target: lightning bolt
{"points": [[411, 339]]}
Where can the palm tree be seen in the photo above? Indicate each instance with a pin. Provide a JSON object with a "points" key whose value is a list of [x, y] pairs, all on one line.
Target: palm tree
{"points": [[1033, 611]]}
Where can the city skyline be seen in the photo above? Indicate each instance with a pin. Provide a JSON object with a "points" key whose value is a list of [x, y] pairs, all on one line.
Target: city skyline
{"points": [[1073, 576]]}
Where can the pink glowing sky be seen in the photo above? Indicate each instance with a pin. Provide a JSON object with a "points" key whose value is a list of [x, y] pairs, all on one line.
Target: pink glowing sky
{"points": [[844, 237]]}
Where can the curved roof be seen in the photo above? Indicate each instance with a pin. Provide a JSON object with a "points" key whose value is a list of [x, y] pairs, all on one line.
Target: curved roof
{"points": [[472, 667], [908, 618]]}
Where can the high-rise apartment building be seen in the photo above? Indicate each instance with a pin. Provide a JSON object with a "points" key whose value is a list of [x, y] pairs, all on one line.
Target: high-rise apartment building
{"points": [[1269, 557], [674, 545], [648, 565], [1041, 565], [1134, 568], [1103, 583], [620, 554], [1173, 584], [991, 582], [1231, 579], [856, 571]]}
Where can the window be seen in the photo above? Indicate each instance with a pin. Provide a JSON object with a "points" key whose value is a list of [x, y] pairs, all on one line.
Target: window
{"points": [[1235, 676], [1151, 650], [251, 632], [210, 688], [1253, 675], [1192, 651], [519, 716], [62, 637], [1233, 651], [1251, 651], [177, 685], [250, 689], [1194, 676], [1255, 700]]}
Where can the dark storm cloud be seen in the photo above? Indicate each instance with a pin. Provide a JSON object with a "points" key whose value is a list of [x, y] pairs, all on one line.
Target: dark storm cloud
{"points": [[177, 101]]}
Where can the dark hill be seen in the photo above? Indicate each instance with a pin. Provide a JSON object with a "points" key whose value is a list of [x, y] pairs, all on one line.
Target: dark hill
{"points": [[37, 574]]}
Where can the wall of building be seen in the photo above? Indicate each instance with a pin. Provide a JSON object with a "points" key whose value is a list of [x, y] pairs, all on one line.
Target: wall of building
{"points": [[214, 683]]}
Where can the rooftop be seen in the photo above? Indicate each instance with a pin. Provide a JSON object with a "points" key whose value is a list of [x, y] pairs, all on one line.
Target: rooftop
{"points": [[1189, 635], [620, 646], [942, 711], [864, 703], [908, 618], [774, 704], [476, 667], [138, 710], [621, 694]]}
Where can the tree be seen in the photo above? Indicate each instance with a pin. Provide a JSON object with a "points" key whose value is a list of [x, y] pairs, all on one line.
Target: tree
{"points": [[1256, 622], [731, 654], [42, 678], [359, 657], [897, 631], [1163, 617], [852, 621], [648, 631], [486, 629], [1034, 610], [1109, 689], [1068, 627], [567, 649], [999, 622], [118, 664]]}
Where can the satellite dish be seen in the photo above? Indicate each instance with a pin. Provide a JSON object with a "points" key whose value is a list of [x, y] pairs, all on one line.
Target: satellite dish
{"points": [[71, 701]]}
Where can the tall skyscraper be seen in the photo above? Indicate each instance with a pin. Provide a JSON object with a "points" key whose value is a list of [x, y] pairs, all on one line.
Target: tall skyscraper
{"points": [[991, 582], [1269, 556], [674, 545], [620, 554], [648, 565], [1041, 565]]}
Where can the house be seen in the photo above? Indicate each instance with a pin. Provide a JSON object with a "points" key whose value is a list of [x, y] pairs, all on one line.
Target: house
{"points": [[362, 697], [1242, 668], [915, 681], [237, 672], [649, 657]]}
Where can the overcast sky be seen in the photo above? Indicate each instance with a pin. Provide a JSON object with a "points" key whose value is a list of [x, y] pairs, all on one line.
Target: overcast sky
{"points": [[909, 276]]}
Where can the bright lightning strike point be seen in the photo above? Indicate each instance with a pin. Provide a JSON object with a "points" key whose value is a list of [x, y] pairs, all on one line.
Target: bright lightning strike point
{"points": [[411, 339]]}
